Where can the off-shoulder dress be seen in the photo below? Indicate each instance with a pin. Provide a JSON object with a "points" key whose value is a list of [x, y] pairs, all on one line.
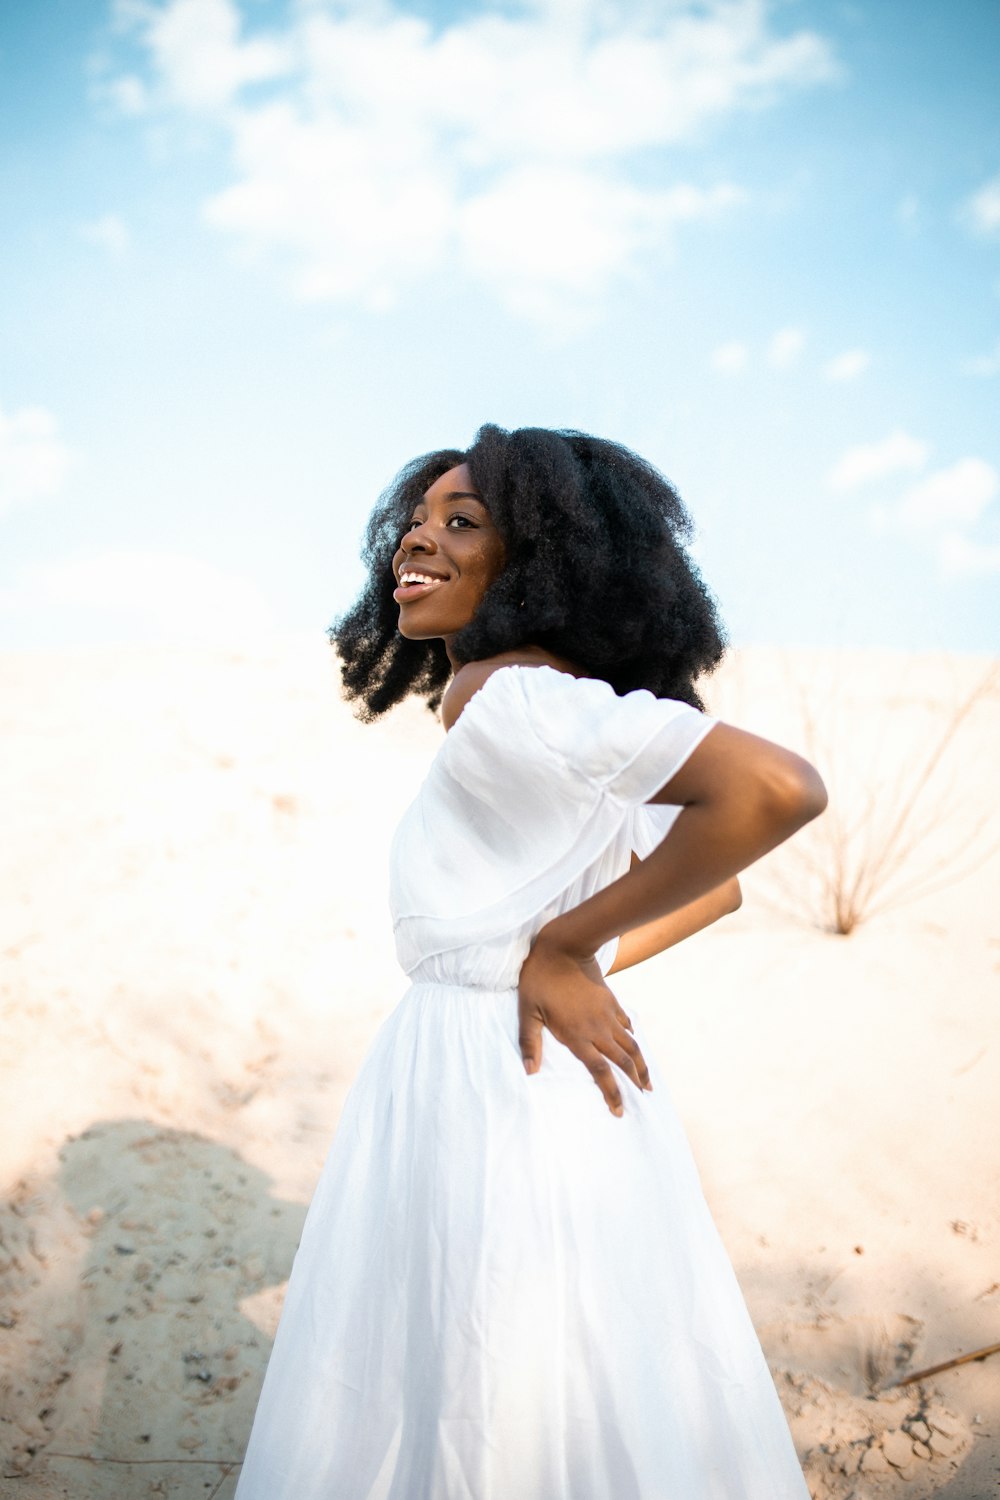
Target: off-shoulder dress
{"points": [[502, 1291]]}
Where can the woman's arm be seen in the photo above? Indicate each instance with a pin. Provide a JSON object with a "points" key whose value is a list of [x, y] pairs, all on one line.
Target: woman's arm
{"points": [[654, 937], [741, 796]]}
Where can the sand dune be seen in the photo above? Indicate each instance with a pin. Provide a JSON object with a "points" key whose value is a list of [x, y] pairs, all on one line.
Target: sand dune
{"points": [[196, 954]]}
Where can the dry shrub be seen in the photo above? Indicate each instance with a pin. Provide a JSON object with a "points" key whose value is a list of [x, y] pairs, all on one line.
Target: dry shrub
{"points": [[903, 822]]}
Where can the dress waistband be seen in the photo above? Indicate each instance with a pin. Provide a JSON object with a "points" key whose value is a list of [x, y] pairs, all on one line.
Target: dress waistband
{"points": [[458, 984]]}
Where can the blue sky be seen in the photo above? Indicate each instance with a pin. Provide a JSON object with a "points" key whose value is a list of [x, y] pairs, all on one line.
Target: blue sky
{"points": [[256, 255]]}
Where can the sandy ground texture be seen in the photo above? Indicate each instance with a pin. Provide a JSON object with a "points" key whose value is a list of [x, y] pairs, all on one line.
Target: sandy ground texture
{"points": [[196, 954]]}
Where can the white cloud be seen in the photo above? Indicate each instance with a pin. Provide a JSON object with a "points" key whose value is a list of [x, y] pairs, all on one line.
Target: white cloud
{"points": [[354, 216], [873, 461], [982, 211], [984, 365], [129, 95], [964, 557], [198, 56], [939, 512], [110, 232], [957, 496], [784, 348], [124, 95], [730, 358], [847, 366], [377, 148], [34, 462], [584, 227], [140, 596]]}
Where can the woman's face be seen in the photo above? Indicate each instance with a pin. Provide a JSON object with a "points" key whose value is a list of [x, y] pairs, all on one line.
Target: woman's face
{"points": [[448, 556]]}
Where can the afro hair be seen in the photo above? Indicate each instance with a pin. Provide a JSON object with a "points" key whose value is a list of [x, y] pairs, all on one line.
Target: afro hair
{"points": [[596, 572]]}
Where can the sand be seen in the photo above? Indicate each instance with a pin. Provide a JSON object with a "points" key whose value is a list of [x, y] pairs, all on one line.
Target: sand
{"points": [[196, 954]]}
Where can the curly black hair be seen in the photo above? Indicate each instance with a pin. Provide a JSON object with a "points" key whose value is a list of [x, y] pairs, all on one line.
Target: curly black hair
{"points": [[594, 539]]}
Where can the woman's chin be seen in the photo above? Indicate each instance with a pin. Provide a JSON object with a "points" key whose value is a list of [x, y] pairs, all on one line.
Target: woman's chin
{"points": [[427, 627], [422, 630]]}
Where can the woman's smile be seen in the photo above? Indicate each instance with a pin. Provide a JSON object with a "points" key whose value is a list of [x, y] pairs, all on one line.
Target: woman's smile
{"points": [[414, 583]]}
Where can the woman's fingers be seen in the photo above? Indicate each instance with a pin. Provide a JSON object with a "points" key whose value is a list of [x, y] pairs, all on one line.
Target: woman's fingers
{"points": [[631, 1046], [625, 1061], [568, 995], [595, 1052], [632, 1064], [603, 1076], [530, 1038]]}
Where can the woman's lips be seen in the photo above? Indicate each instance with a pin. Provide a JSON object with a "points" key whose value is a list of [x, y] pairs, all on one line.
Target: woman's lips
{"points": [[407, 591]]}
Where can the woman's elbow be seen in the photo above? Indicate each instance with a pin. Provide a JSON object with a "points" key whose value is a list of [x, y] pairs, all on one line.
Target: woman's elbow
{"points": [[798, 793], [732, 894]]}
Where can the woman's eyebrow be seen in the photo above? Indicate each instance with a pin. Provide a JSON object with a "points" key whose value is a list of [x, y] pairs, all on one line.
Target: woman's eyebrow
{"points": [[456, 495]]}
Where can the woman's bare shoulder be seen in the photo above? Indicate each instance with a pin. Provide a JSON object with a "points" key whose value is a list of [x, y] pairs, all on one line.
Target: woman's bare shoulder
{"points": [[470, 677]]}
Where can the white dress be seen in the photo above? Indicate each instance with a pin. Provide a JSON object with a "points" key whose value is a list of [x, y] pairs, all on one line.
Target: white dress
{"points": [[502, 1291]]}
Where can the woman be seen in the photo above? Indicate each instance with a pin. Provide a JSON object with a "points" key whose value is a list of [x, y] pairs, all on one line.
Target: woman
{"points": [[509, 1287]]}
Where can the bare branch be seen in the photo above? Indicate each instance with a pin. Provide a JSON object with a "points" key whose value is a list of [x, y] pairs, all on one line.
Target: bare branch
{"points": [[868, 855]]}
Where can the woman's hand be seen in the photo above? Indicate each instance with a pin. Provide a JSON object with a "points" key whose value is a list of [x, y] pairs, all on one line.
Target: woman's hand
{"points": [[567, 994]]}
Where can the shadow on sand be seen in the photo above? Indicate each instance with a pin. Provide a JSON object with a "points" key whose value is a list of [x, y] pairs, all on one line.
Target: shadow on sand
{"points": [[143, 1288]]}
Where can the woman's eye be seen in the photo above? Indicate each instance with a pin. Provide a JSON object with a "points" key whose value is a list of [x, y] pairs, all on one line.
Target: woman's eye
{"points": [[456, 522], [463, 520]]}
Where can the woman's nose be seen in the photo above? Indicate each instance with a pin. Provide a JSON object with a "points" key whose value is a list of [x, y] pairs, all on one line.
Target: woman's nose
{"points": [[417, 538]]}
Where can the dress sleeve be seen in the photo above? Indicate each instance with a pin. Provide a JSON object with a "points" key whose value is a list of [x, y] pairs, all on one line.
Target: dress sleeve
{"points": [[542, 774], [626, 746]]}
